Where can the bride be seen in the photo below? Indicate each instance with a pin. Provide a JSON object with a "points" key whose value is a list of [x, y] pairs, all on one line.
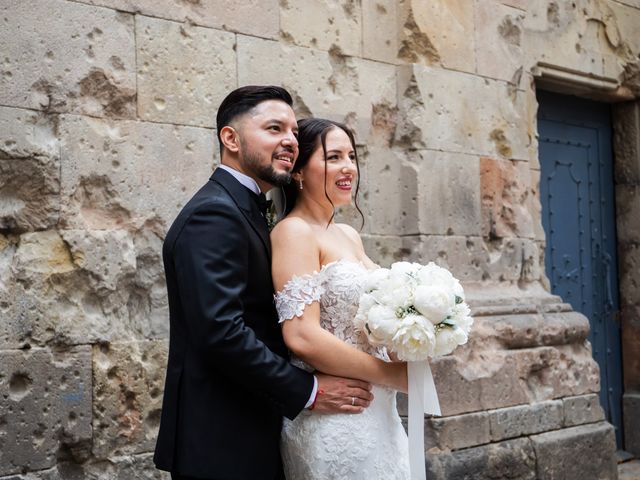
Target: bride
{"points": [[319, 267]]}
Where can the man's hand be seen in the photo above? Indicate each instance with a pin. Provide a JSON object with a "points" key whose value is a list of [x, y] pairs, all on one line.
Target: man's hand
{"points": [[341, 395]]}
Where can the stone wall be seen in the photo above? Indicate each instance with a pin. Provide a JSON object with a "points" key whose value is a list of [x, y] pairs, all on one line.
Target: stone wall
{"points": [[107, 127]]}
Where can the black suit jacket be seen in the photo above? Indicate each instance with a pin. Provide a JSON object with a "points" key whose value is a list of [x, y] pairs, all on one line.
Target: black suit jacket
{"points": [[228, 382]]}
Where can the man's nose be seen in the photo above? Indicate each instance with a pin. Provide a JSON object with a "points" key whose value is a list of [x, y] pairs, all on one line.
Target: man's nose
{"points": [[290, 139]]}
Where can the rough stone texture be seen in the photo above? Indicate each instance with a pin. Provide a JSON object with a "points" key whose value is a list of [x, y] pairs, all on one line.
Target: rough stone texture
{"points": [[631, 413], [486, 124], [628, 266], [128, 467], [184, 71], [525, 419], [424, 41], [513, 459], [380, 16], [254, 17], [505, 189], [582, 409], [576, 453], [499, 35], [336, 24], [67, 57], [630, 317], [323, 84], [627, 208], [473, 379], [45, 408], [29, 170], [459, 431], [127, 391], [452, 182], [626, 143], [121, 174]]}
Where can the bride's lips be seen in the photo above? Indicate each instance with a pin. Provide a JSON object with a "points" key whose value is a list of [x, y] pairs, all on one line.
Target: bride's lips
{"points": [[344, 184]]}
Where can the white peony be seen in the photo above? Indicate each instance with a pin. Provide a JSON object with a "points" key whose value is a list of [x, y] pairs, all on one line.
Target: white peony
{"points": [[381, 325], [447, 339], [433, 275], [461, 316], [415, 339], [375, 278], [433, 302]]}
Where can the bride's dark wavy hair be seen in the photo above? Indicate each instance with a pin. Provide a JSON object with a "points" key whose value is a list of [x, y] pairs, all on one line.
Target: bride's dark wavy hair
{"points": [[312, 132]]}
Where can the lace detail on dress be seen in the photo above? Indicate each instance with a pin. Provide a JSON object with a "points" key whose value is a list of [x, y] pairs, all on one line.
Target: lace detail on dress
{"points": [[296, 295], [370, 445]]}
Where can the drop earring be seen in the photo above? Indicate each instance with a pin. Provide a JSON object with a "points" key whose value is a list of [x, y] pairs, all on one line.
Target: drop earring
{"points": [[300, 183]]}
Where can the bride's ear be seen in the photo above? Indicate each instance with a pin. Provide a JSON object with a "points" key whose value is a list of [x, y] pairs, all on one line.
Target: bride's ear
{"points": [[297, 176]]}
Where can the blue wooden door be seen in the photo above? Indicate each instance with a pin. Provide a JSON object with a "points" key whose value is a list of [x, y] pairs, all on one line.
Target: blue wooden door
{"points": [[577, 195]]}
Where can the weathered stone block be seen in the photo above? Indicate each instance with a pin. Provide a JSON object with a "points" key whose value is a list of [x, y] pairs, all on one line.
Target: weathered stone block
{"points": [[386, 249], [629, 265], [577, 453], [67, 57], [380, 16], [126, 467], [45, 408], [513, 459], [631, 418], [536, 329], [323, 84], [486, 118], [505, 190], [582, 409], [499, 35], [630, 317], [335, 24], [627, 208], [456, 432], [122, 174], [448, 193], [424, 41], [524, 420], [127, 392], [251, 17], [184, 73], [65, 295], [29, 170], [626, 142]]}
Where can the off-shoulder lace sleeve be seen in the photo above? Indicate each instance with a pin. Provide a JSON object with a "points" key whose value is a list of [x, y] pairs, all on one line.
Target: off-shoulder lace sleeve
{"points": [[297, 294]]}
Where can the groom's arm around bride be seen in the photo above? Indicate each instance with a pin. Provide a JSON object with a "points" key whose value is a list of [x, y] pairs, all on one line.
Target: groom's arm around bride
{"points": [[229, 382]]}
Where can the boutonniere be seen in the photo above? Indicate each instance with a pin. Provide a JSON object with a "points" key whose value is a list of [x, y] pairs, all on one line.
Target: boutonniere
{"points": [[271, 216]]}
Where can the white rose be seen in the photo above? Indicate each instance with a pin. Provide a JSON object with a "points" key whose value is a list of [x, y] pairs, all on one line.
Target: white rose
{"points": [[414, 339], [447, 339], [381, 325], [366, 302], [375, 279], [461, 316], [433, 302]]}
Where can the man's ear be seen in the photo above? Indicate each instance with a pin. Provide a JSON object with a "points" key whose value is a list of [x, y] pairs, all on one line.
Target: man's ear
{"points": [[230, 139]]}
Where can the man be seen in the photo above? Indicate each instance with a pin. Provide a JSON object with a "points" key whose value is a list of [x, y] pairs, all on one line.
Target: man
{"points": [[229, 382]]}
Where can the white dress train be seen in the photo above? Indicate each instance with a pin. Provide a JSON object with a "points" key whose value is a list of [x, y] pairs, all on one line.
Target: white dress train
{"points": [[369, 446]]}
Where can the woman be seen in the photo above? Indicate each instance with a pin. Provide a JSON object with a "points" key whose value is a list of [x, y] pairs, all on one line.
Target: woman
{"points": [[319, 267]]}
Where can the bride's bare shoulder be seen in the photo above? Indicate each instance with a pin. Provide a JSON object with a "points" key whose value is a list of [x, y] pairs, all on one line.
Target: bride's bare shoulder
{"points": [[292, 228], [350, 232]]}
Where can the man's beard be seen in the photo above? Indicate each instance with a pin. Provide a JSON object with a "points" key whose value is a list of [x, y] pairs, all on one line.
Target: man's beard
{"points": [[266, 173]]}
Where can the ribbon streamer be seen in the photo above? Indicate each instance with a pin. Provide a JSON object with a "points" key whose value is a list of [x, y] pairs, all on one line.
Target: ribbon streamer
{"points": [[423, 398]]}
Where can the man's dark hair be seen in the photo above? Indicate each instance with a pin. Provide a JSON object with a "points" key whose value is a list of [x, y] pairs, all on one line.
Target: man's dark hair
{"points": [[243, 100]]}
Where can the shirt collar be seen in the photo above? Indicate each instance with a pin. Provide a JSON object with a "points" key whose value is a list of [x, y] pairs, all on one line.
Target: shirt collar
{"points": [[245, 180]]}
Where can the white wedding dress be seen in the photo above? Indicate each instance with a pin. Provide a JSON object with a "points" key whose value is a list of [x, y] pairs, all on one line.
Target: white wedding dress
{"points": [[369, 446]]}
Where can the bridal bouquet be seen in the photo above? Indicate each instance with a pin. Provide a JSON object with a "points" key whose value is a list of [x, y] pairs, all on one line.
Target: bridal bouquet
{"points": [[417, 311]]}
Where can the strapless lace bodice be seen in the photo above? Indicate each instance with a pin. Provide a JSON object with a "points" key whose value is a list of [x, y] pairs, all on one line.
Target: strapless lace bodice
{"points": [[368, 446], [337, 286]]}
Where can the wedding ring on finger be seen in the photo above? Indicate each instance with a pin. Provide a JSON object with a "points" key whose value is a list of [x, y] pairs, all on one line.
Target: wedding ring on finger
{"points": [[353, 401]]}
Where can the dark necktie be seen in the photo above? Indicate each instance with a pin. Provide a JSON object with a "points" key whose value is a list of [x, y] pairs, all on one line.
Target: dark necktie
{"points": [[263, 204]]}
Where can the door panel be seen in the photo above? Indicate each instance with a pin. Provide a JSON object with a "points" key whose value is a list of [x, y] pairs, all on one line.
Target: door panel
{"points": [[578, 216]]}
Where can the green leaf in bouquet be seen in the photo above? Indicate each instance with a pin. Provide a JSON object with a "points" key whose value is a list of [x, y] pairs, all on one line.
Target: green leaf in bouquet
{"points": [[459, 300]]}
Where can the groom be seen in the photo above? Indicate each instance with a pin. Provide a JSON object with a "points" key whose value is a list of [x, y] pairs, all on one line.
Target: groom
{"points": [[229, 382]]}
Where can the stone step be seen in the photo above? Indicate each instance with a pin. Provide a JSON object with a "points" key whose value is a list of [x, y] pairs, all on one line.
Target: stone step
{"points": [[629, 470]]}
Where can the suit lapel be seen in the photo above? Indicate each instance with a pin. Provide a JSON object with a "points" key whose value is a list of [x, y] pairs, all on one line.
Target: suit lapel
{"points": [[242, 198]]}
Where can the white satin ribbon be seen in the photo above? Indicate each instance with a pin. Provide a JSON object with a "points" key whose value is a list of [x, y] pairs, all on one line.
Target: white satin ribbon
{"points": [[423, 398]]}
